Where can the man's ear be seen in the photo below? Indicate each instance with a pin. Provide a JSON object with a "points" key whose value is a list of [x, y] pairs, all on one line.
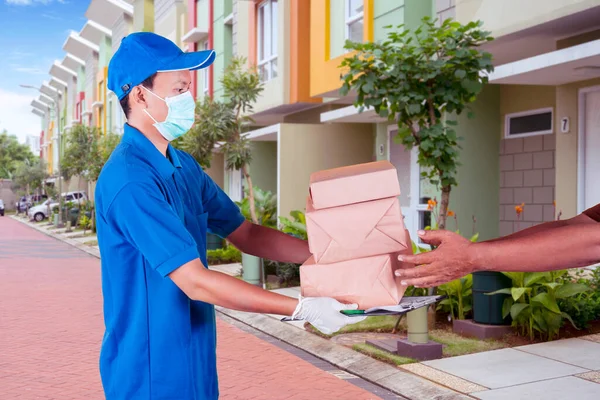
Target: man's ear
{"points": [[138, 96]]}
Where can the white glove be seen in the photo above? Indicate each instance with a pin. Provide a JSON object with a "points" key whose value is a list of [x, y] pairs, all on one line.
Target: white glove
{"points": [[324, 313]]}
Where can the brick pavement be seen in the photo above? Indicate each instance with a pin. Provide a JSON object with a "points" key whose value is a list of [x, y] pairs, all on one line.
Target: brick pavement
{"points": [[51, 328]]}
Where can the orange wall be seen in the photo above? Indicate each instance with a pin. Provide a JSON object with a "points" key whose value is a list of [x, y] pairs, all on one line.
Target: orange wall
{"points": [[326, 72]]}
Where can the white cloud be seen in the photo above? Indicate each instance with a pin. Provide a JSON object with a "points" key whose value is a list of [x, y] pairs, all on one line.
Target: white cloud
{"points": [[16, 116], [30, 2], [29, 70]]}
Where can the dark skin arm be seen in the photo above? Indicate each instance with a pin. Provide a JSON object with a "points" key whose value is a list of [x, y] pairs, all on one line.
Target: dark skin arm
{"points": [[555, 245], [199, 283]]}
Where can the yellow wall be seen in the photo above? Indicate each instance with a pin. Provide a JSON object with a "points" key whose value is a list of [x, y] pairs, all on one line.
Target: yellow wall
{"points": [[307, 148], [567, 98], [508, 16], [518, 98], [326, 74], [173, 25], [217, 170]]}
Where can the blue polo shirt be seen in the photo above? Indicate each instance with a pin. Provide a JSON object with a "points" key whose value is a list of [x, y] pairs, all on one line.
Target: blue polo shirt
{"points": [[153, 213]]}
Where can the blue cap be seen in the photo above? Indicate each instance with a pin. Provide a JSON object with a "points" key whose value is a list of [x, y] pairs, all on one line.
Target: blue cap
{"points": [[142, 54]]}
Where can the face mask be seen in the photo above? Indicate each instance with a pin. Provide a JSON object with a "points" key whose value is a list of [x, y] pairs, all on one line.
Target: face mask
{"points": [[180, 117]]}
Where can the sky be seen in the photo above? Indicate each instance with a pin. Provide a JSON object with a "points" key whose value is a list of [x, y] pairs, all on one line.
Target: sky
{"points": [[32, 33]]}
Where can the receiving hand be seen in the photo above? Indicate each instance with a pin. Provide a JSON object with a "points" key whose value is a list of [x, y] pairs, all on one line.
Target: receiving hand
{"points": [[454, 258], [324, 313]]}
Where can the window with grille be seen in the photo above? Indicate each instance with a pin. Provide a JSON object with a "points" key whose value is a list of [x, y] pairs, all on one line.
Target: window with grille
{"points": [[354, 20], [267, 40]]}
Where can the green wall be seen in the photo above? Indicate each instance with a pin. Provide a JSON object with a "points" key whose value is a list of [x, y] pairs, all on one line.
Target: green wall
{"points": [[105, 52], [337, 28], [387, 13], [478, 187], [477, 192], [80, 80], [223, 44], [415, 10], [263, 168]]}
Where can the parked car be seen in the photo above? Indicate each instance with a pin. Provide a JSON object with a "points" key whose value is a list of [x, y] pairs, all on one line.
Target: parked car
{"points": [[28, 201], [42, 211], [76, 197], [1, 208]]}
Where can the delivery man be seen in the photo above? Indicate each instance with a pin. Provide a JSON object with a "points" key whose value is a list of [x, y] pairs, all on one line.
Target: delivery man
{"points": [[550, 246], [154, 206]]}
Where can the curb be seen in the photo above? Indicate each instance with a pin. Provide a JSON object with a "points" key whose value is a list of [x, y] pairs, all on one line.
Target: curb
{"points": [[384, 375]]}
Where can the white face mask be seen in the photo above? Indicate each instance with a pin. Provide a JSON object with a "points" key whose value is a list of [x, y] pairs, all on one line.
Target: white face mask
{"points": [[180, 118]]}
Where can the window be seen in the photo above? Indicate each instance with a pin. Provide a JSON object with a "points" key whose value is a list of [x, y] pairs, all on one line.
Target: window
{"points": [[205, 72], [267, 40], [354, 20], [529, 123]]}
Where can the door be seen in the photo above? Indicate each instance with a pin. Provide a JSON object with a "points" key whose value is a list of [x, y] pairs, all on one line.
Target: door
{"points": [[591, 149], [235, 185], [415, 191]]}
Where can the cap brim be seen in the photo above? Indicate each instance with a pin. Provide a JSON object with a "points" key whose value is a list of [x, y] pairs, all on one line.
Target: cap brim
{"points": [[191, 61]]}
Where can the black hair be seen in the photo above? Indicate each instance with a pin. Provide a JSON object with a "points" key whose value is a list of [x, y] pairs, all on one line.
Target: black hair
{"points": [[148, 82]]}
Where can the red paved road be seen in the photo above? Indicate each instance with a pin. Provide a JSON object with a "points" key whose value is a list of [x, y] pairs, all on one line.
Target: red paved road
{"points": [[51, 327]]}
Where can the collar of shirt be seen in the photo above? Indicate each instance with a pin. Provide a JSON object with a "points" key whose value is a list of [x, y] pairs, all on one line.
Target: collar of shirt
{"points": [[164, 165]]}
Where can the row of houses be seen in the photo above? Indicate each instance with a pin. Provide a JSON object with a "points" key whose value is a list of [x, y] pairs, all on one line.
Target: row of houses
{"points": [[532, 141]]}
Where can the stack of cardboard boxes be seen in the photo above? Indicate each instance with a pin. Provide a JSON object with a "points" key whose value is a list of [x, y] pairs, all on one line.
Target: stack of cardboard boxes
{"points": [[355, 234]]}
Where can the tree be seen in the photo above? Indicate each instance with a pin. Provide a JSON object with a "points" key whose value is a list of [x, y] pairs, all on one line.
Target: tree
{"points": [[77, 152], [11, 153], [30, 176], [417, 79], [225, 122]]}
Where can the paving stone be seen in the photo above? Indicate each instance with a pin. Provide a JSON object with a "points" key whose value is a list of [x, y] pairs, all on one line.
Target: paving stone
{"points": [[443, 378], [502, 368], [557, 389], [593, 376], [581, 353]]}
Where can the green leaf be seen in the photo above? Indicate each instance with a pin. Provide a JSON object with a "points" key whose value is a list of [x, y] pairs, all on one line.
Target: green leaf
{"points": [[568, 317], [414, 108], [570, 289], [460, 73], [547, 301], [506, 306], [517, 292], [501, 291], [534, 277], [517, 309]]}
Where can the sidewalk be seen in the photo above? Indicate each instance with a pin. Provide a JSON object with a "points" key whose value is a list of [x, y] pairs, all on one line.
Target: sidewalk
{"points": [[554, 370]]}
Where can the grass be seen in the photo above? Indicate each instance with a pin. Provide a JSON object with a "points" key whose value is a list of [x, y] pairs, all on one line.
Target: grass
{"points": [[381, 355], [91, 243], [456, 345], [371, 324]]}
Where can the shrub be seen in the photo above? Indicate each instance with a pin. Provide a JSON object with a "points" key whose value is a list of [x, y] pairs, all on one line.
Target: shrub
{"points": [[228, 255]]}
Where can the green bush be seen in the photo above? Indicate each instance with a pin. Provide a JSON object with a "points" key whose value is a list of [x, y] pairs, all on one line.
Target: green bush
{"points": [[534, 302], [460, 297], [584, 307], [228, 255]]}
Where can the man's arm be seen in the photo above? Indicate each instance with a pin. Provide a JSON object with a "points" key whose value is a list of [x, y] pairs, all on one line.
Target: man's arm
{"points": [[580, 219], [269, 243], [572, 244], [202, 284]]}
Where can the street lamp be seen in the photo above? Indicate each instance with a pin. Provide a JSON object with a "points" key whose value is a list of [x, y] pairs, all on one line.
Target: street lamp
{"points": [[56, 100]]}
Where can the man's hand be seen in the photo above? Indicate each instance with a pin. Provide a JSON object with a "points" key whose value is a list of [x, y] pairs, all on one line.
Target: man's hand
{"points": [[324, 313], [454, 258]]}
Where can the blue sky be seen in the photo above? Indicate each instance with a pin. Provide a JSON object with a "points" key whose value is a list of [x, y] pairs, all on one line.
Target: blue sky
{"points": [[32, 33]]}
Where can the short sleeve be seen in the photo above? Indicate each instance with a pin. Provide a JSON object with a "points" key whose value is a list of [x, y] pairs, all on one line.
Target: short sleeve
{"points": [[147, 221], [224, 215]]}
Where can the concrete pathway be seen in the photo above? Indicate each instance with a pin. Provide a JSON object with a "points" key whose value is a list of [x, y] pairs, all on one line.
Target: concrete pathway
{"points": [[51, 329]]}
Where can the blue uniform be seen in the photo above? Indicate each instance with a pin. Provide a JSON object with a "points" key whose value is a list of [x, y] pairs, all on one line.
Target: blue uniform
{"points": [[153, 213]]}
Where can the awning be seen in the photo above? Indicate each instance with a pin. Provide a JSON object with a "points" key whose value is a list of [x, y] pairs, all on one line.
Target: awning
{"points": [[72, 62], [94, 32], [46, 99], [106, 12], [36, 111], [195, 35], [351, 114], [58, 84], [558, 67], [61, 72], [35, 103], [79, 46], [49, 90]]}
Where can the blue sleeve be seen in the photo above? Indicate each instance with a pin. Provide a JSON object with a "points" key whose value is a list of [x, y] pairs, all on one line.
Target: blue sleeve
{"points": [[147, 221], [224, 215]]}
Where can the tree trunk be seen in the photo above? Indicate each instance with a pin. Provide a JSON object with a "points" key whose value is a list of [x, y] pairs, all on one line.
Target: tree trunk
{"points": [[250, 194], [444, 207]]}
